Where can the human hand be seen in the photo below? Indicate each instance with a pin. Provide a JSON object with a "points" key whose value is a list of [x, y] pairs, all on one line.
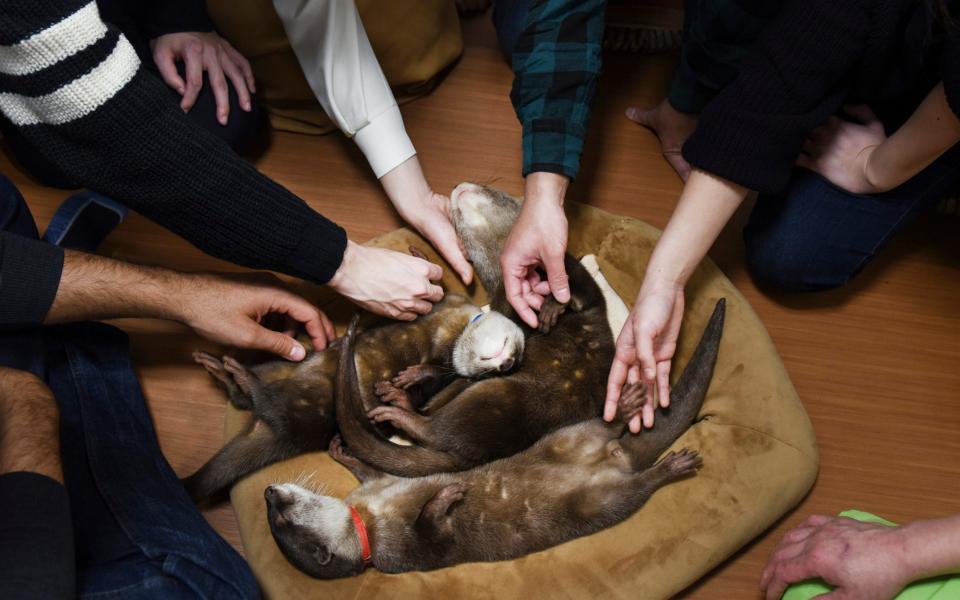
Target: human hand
{"points": [[387, 282], [645, 349], [672, 127], [538, 240], [841, 150], [201, 52], [861, 560], [229, 309], [431, 217]]}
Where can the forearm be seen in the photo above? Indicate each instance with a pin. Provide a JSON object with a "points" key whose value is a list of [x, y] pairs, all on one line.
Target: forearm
{"points": [[932, 130], [406, 186], [931, 547], [336, 57], [705, 206], [95, 287]]}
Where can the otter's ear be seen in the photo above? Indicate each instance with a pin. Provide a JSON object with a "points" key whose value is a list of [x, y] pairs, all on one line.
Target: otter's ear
{"points": [[322, 555]]}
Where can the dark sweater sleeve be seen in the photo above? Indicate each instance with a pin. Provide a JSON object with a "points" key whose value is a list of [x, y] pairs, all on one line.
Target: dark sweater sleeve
{"points": [[175, 16], [951, 73], [790, 82], [29, 277], [79, 98], [36, 538]]}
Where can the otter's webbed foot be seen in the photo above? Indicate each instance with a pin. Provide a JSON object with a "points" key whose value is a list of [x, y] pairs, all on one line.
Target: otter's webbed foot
{"points": [[550, 313], [417, 375], [361, 470], [677, 465], [632, 399], [413, 425], [217, 368], [388, 393]]}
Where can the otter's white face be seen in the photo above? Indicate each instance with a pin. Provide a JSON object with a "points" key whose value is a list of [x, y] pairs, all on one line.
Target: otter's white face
{"points": [[316, 533], [490, 343]]}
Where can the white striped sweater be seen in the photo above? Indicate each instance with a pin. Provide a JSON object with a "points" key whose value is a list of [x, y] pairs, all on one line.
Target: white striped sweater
{"points": [[72, 88]]}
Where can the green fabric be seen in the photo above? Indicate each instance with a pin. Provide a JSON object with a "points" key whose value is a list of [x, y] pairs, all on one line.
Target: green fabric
{"points": [[938, 588], [556, 63]]}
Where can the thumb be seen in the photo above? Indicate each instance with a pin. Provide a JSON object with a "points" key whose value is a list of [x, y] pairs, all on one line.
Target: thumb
{"points": [[641, 116], [557, 276], [276, 343]]}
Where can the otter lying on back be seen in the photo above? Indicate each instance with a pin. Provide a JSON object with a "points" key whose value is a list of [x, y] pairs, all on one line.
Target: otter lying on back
{"points": [[575, 481], [292, 403], [562, 379]]}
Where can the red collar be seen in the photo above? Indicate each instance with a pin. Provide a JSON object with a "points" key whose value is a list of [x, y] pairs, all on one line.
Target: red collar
{"points": [[362, 534]]}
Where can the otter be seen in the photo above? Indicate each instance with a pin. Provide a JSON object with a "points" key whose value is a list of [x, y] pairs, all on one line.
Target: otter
{"points": [[292, 403], [561, 382], [575, 481]]}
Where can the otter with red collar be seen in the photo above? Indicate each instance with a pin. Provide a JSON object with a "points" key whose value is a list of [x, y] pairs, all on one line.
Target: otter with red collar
{"points": [[562, 379], [575, 481]]}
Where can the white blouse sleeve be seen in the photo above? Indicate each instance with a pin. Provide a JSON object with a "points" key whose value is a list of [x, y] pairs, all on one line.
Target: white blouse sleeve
{"points": [[335, 54]]}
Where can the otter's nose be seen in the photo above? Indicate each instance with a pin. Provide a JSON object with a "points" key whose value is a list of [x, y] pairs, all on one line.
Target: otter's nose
{"points": [[270, 494], [506, 365]]}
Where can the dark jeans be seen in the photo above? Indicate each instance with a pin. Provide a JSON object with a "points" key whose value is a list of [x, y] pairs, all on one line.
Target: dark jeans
{"points": [[816, 236], [137, 534]]}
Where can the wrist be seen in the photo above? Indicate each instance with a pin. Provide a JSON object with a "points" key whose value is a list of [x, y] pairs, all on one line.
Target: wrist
{"points": [[543, 186], [874, 182], [349, 257]]}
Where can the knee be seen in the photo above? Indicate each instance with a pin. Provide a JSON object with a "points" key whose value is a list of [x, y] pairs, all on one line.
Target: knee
{"points": [[783, 262]]}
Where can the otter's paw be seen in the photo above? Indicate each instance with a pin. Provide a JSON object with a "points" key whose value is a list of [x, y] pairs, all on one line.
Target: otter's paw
{"points": [[550, 313], [390, 394], [339, 453], [632, 399], [244, 379], [680, 464], [213, 366], [411, 376]]}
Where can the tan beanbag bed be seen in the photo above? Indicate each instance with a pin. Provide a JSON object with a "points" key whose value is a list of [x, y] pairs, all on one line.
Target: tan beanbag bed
{"points": [[757, 444]]}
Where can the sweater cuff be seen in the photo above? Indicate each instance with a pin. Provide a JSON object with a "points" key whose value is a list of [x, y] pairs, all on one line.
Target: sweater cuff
{"points": [[29, 277], [552, 145], [319, 253], [384, 141]]}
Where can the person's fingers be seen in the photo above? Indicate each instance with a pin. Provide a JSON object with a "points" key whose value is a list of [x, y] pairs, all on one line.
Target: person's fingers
{"points": [[634, 424], [807, 162], [663, 382], [816, 520], [446, 243], [244, 65], [328, 327], [434, 272], [513, 286], [642, 116], [218, 83], [541, 288], [615, 381], [861, 112], [648, 413], [316, 324], [648, 365], [421, 307], [193, 70], [261, 338], [785, 573], [233, 73], [164, 59], [798, 534], [434, 293], [557, 277]]}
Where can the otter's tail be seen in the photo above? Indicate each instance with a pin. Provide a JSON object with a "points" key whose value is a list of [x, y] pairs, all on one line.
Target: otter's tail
{"points": [[362, 437], [686, 397]]}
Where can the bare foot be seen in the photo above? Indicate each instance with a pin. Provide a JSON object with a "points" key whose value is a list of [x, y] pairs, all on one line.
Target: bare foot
{"points": [[672, 127]]}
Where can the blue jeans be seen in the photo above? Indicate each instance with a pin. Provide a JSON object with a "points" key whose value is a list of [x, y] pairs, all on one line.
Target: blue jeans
{"points": [[137, 533], [816, 236]]}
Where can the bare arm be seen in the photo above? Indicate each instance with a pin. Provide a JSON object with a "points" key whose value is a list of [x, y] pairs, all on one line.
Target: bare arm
{"points": [[648, 340], [225, 309], [860, 158]]}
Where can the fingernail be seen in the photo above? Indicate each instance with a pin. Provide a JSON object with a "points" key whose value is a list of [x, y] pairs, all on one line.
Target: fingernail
{"points": [[297, 352]]}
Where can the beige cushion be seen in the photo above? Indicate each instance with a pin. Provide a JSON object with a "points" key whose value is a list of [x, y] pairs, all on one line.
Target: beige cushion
{"points": [[759, 452]]}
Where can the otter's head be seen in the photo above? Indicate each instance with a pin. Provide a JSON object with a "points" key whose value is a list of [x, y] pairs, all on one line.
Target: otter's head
{"points": [[490, 344], [483, 218], [316, 533]]}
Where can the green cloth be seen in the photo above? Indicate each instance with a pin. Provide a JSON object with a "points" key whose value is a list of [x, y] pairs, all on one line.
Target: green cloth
{"points": [[946, 587]]}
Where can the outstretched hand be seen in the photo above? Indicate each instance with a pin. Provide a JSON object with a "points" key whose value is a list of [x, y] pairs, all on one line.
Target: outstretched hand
{"points": [[230, 309], [199, 52], [645, 349], [537, 241]]}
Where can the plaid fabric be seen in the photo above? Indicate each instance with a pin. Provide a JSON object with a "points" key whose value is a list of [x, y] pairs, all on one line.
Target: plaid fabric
{"points": [[556, 63], [716, 36]]}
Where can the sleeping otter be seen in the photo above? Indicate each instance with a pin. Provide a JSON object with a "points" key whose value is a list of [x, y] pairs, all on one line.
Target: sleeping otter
{"points": [[575, 481], [562, 379], [292, 403]]}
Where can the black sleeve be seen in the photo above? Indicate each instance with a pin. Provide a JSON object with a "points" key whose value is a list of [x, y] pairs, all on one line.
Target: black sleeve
{"points": [[175, 16], [36, 538], [29, 277], [951, 73]]}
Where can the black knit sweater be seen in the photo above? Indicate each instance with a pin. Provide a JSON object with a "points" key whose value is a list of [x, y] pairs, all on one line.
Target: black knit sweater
{"points": [[75, 92], [816, 56]]}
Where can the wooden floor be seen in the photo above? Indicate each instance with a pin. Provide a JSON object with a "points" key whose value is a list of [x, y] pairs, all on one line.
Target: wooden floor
{"points": [[876, 363]]}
